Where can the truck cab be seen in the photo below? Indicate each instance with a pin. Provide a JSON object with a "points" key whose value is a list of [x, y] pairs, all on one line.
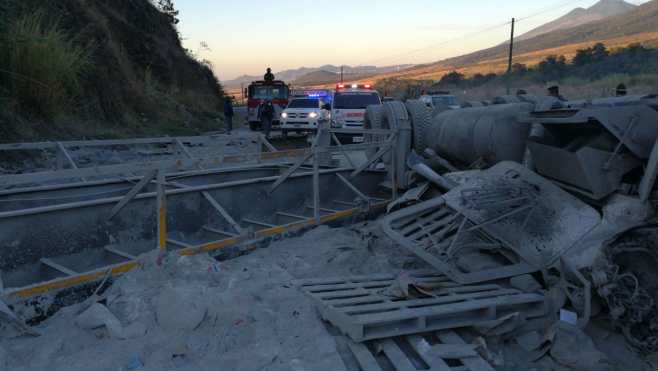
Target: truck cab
{"points": [[260, 92]]}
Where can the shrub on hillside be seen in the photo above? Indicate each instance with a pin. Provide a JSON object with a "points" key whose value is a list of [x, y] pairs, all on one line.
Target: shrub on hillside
{"points": [[42, 65]]}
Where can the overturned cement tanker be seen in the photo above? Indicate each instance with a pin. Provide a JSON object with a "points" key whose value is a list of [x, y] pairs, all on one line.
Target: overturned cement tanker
{"points": [[583, 172]]}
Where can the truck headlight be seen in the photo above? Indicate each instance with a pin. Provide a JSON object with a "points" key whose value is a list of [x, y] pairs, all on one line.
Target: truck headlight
{"points": [[284, 115], [313, 115]]}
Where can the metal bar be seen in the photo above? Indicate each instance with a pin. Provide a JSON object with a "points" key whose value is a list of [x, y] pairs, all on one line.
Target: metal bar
{"points": [[316, 187], [382, 151], [260, 224], [182, 147], [22, 293], [649, 179], [118, 252], [355, 147], [346, 203], [132, 193], [192, 189], [323, 209], [58, 267], [162, 211], [267, 143], [112, 142], [166, 165], [219, 232], [353, 188], [178, 243], [222, 211], [340, 145], [361, 131], [506, 215], [289, 172], [68, 157], [294, 216]]}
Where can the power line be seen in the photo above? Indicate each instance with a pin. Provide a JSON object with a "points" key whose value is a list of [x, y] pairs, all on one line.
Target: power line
{"points": [[476, 33]]}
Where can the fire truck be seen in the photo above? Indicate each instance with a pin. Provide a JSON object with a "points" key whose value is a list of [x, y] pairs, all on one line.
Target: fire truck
{"points": [[258, 93]]}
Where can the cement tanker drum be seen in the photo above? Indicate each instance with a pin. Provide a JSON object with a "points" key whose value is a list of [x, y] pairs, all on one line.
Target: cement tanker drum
{"points": [[494, 133]]}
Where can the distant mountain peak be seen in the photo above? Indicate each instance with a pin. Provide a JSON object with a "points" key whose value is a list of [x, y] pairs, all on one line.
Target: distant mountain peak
{"points": [[580, 16]]}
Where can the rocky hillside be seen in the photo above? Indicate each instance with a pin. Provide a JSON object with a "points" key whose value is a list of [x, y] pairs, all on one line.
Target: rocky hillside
{"points": [[109, 68], [581, 16]]}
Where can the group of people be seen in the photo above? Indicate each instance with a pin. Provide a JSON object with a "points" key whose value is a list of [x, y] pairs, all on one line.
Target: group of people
{"points": [[266, 113], [266, 110]]}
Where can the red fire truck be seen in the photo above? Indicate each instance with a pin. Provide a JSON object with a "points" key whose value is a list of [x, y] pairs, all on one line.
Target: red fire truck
{"points": [[258, 93]]}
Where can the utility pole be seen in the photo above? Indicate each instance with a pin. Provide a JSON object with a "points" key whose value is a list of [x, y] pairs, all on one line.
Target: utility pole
{"points": [[242, 92], [341, 74], [509, 63]]}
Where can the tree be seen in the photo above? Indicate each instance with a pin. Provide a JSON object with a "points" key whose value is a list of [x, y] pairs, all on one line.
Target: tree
{"points": [[452, 78], [552, 68], [167, 7], [597, 53], [519, 69]]}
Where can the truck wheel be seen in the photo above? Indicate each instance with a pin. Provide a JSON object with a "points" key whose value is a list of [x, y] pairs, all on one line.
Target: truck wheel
{"points": [[421, 117], [284, 133], [373, 120], [254, 126]]}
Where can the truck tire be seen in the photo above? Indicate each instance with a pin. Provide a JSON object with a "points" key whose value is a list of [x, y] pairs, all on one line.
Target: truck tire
{"points": [[254, 126], [373, 120], [421, 120]]}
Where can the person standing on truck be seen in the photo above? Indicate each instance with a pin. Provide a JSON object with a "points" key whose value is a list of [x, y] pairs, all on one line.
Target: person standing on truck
{"points": [[269, 76], [266, 117], [228, 114]]}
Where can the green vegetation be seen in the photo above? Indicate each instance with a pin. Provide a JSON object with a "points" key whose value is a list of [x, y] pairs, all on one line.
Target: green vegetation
{"points": [[98, 69], [596, 66], [41, 65]]}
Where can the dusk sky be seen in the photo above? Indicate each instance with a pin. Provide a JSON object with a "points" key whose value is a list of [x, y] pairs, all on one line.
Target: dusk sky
{"points": [[244, 37]]}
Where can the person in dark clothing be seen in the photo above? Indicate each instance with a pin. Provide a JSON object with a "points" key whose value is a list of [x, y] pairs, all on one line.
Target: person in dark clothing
{"points": [[266, 117], [621, 90], [554, 91], [228, 114], [269, 76]]}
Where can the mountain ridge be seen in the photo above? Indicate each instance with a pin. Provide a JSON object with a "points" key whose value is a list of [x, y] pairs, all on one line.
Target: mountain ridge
{"points": [[581, 16]]}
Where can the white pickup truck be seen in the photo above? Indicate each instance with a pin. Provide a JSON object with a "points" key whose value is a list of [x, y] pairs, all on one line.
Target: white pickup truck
{"points": [[303, 115]]}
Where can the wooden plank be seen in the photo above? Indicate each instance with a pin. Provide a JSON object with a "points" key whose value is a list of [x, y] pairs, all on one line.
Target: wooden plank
{"points": [[424, 350], [473, 363], [397, 357], [132, 193], [364, 358], [58, 267]]}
